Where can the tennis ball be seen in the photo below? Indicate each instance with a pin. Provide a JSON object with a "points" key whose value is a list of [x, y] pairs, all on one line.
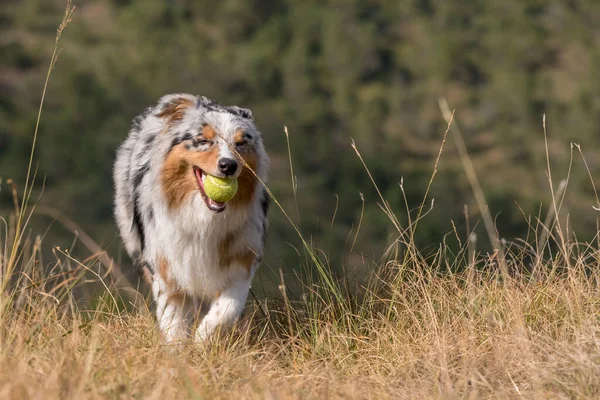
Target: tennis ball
{"points": [[220, 189]]}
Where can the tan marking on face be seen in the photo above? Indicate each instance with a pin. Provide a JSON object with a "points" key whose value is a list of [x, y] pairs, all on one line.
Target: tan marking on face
{"points": [[244, 257], [208, 132], [238, 137], [177, 176], [246, 181], [175, 110], [207, 161]]}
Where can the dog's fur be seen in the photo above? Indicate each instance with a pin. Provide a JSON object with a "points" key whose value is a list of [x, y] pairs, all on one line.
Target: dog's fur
{"points": [[199, 256]]}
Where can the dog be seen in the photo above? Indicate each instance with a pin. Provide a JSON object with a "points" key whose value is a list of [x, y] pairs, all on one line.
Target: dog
{"points": [[198, 255]]}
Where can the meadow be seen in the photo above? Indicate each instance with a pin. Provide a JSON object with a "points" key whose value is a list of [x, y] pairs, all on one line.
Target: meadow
{"points": [[418, 330], [521, 319]]}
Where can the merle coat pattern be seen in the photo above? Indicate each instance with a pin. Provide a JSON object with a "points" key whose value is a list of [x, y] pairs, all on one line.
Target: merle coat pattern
{"points": [[198, 255]]}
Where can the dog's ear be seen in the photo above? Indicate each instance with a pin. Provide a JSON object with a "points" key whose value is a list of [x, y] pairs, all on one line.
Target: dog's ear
{"points": [[206, 102], [172, 107], [240, 112]]}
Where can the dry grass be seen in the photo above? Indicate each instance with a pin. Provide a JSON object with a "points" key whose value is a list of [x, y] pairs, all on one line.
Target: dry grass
{"points": [[428, 335], [523, 321]]}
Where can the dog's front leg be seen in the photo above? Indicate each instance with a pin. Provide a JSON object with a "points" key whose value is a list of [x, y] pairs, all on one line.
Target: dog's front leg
{"points": [[224, 310], [174, 313]]}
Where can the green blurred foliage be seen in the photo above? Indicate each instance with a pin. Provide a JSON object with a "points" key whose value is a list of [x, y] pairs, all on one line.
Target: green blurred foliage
{"points": [[332, 72]]}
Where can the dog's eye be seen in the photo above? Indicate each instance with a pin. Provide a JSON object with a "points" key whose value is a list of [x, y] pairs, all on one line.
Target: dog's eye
{"points": [[202, 141]]}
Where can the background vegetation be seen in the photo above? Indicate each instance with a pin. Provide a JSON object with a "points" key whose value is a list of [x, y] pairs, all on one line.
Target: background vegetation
{"points": [[331, 71]]}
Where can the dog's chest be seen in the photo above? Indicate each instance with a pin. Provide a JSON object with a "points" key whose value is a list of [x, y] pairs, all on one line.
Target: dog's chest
{"points": [[196, 267], [192, 243]]}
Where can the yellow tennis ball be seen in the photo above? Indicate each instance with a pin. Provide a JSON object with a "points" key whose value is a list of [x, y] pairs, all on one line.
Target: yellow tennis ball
{"points": [[220, 189]]}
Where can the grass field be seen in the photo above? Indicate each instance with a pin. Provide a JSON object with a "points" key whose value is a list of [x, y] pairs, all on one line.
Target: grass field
{"points": [[415, 334], [522, 320]]}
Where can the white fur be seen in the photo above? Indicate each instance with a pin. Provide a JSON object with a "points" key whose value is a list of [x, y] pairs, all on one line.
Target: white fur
{"points": [[224, 311], [187, 237]]}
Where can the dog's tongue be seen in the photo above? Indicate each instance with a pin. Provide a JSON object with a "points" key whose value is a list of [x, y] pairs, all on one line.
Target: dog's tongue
{"points": [[216, 203]]}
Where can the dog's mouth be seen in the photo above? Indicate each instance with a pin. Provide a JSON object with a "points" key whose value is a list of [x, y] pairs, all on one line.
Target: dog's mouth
{"points": [[212, 205]]}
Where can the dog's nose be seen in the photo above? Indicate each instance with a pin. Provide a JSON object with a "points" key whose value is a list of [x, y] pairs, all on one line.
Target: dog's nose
{"points": [[228, 166]]}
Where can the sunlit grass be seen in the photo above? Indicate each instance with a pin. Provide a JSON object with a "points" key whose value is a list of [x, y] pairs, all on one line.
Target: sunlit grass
{"points": [[471, 334]]}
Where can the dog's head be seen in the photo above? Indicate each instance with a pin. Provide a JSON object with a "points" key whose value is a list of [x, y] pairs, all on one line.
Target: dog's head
{"points": [[207, 138]]}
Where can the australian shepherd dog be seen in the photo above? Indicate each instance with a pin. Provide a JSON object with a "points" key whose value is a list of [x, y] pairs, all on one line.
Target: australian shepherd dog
{"points": [[198, 255]]}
